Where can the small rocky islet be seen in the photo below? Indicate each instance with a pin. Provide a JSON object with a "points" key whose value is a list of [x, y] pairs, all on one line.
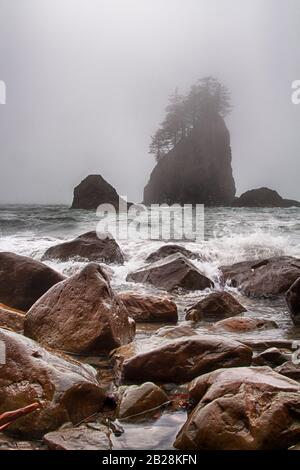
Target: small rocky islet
{"points": [[76, 350]]}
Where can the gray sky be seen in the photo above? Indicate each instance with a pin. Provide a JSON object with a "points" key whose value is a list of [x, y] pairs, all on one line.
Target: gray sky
{"points": [[88, 81]]}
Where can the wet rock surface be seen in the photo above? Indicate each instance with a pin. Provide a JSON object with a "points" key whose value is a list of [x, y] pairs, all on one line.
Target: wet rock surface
{"points": [[84, 437], [266, 278], [24, 280], [149, 308], [88, 246], [65, 389], [215, 306], [242, 409], [171, 273], [293, 301], [11, 319], [181, 360], [81, 315], [167, 250], [136, 401], [244, 324]]}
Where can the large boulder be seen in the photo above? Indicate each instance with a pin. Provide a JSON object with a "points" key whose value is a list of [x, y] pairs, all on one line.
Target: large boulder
{"points": [[24, 280], [198, 170], [266, 278], [170, 273], [81, 315], [181, 360], [263, 197], [66, 390], [136, 400], [90, 246], [93, 191], [214, 307], [242, 409], [11, 319], [293, 301], [167, 250], [149, 308]]}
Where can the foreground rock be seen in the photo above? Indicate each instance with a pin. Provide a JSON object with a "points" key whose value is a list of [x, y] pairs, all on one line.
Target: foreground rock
{"points": [[88, 246], [81, 315], [265, 278], [271, 357], [242, 409], [136, 401], [214, 307], [181, 360], [65, 389], [263, 197], [149, 308], [198, 170], [93, 191], [244, 324], [167, 250], [293, 301], [23, 280], [171, 273], [289, 369], [11, 319], [84, 437]]}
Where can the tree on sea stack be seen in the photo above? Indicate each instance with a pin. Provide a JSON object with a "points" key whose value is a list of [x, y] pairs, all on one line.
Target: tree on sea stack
{"points": [[184, 112]]}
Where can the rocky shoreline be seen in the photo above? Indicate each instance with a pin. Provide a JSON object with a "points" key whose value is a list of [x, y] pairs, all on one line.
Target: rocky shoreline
{"points": [[73, 345]]}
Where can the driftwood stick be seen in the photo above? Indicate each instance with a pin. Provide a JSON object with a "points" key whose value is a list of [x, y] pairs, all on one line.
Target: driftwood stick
{"points": [[6, 419]]}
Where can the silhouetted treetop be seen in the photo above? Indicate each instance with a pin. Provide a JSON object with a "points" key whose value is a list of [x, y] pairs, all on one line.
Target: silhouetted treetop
{"points": [[207, 97]]}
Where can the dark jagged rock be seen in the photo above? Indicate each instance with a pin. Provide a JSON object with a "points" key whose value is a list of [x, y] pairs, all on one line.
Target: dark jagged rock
{"points": [[214, 307], [244, 408], [170, 273], [93, 191], [24, 280], [197, 170], [266, 278], [293, 301], [149, 308], [81, 315], [66, 390], [88, 246], [263, 197]]}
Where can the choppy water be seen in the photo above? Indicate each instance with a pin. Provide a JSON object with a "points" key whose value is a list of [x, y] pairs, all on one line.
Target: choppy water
{"points": [[231, 235]]}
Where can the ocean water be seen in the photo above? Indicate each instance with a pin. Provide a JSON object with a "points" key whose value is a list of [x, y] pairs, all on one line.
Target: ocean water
{"points": [[231, 235]]}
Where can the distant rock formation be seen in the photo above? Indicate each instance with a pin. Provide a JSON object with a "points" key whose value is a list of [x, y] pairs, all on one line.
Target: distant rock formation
{"points": [[263, 197], [93, 191], [197, 170]]}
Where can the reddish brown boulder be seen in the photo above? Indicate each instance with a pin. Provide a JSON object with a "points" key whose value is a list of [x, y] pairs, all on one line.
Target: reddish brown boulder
{"points": [[84, 437], [289, 369], [136, 400], [214, 307], [243, 324], [88, 246], [11, 319], [181, 360], [81, 315], [172, 272], [242, 409], [271, 357], [24, 280], [293, 301], [65, 389], [265, 278], [149, 308]]}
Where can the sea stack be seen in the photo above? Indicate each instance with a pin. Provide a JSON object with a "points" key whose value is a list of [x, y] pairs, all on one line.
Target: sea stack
{"points": [[197, 170], [263, 197], [93, 191]]}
